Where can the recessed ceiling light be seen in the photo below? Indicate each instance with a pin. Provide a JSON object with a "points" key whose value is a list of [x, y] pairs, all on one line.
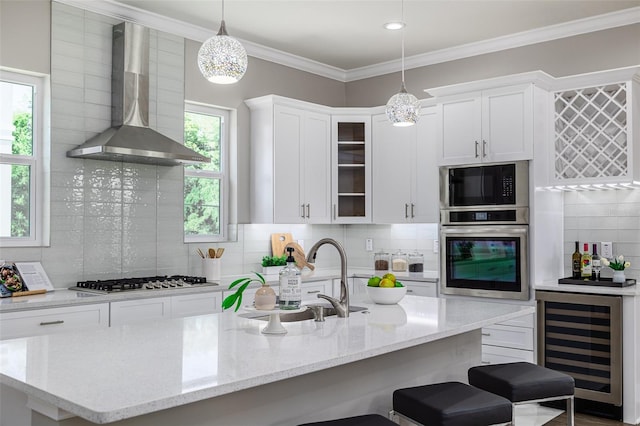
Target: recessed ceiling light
{"points": [[397, 25]]}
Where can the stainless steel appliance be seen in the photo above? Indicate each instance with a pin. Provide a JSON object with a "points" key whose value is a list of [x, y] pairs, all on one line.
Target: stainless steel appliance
{"points": [[484, 234], [485, 186], [580, 335], [130, 138], [485, 261], [118, 285]]}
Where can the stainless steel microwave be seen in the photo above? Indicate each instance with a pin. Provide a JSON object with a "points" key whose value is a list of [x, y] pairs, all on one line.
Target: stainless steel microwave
{"points": [[484, 186]]}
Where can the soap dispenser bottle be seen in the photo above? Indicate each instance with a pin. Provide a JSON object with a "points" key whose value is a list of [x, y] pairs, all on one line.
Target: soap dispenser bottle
{"points": [[290, 284]]}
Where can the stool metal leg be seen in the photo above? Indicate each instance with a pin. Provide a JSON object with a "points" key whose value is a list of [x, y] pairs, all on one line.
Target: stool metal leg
{"points": [[570, 411]]}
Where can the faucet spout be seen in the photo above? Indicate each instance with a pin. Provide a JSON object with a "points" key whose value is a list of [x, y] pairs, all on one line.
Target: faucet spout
{"points": [[340, 305]]}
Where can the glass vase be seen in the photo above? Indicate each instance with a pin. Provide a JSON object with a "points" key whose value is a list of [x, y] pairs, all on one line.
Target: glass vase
{"points": [[265, 298]]}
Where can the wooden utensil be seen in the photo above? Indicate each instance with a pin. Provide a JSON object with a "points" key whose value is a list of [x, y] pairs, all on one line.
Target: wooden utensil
{"points": [[212, 253], [279, 242], [298, 255], [28, 292], [219, 252]]}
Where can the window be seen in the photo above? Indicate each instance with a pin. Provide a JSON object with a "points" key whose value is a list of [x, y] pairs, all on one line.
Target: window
{"points": [[21, 157], [205, 185]]}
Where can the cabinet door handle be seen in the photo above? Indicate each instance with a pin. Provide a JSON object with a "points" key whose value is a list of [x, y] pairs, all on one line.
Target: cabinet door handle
{"points": [[484, 148], [409, 290], [485, 362], [313, 291], [476, 149], [52, 322], [302, 208], [412, 207], [486, 334], [308, 210], [334, 212], [406, 210]]}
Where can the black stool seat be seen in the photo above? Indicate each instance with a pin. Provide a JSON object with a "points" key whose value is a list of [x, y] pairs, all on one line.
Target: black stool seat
{"points": [[366, 420], [451, 404], [521, 381]]}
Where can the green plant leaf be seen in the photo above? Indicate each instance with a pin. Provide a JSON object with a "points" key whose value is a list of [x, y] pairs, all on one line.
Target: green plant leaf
{"points": [[238, 281], [261, 278], [229, 301], [239, 302]]}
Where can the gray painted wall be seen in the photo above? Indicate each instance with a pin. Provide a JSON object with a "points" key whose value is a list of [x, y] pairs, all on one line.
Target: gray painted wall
{"points": [[25, 26], [597, 51]]}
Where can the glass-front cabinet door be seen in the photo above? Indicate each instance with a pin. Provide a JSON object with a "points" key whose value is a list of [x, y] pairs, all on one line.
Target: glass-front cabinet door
{"points": [[351, 175]]}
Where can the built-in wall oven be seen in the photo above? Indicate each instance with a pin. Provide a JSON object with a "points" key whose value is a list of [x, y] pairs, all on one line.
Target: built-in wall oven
{"points": [[484, 233]]}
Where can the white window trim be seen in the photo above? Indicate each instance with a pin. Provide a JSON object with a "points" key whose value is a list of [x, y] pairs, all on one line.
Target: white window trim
{"points": [[200, 108], [39, 190]]}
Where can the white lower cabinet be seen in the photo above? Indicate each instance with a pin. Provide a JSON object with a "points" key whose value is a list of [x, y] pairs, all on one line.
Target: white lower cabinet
{"points": [[138, 310], [509, 341], [311, 290], [188, 305], [421, 288], [53, 320], [156, 308]]}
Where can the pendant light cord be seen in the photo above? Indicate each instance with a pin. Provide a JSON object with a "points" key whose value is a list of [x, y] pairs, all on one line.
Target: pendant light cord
{"points": [[404, 25], [223, 10]]}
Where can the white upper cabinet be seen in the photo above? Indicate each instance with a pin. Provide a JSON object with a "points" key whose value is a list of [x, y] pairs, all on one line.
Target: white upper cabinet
{"points": [[486, 126], [290, 162], [351, 168], [405, 174]]}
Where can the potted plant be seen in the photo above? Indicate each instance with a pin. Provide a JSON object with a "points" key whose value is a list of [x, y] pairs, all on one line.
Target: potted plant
{"points": [[617, 264], [271, 265], [265, 298]]}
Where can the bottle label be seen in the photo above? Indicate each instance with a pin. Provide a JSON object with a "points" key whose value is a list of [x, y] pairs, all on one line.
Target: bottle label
{"points": [[290, 292]]}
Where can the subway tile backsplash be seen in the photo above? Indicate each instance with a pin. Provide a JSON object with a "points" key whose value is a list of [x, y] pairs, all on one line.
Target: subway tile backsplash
{"points": [[597, 216]]}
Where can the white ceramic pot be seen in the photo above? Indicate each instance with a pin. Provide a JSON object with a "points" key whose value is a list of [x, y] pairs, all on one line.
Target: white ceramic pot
{"points": [[265, 298], [618, 277]]}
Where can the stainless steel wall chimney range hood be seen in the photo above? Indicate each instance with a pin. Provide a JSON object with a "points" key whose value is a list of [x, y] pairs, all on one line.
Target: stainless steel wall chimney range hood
{"points": [[130, 139]]}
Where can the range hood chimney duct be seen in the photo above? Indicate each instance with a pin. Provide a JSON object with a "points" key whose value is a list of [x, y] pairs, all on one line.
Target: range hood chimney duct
{"points": [[130, 139]]}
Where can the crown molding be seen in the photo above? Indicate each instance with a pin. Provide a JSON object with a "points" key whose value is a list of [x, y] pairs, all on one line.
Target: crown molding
{"points": [[197, 33], [554, 32]]}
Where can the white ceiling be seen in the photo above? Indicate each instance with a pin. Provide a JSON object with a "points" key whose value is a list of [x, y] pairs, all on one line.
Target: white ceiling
{"points": [[348, 35]]}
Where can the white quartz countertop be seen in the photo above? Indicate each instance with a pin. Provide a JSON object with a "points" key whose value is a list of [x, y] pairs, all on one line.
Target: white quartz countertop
{"points": [[143, 368]]}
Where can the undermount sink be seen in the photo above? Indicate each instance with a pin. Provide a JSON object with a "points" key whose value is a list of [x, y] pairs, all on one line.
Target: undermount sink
{"points": [[300, 316]]}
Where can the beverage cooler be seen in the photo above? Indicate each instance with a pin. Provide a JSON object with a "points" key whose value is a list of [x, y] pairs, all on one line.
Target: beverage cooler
{"points": [[581, 335]]}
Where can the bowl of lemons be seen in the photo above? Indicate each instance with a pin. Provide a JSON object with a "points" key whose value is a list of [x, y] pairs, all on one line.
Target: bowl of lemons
{"points": [[385, 290]]}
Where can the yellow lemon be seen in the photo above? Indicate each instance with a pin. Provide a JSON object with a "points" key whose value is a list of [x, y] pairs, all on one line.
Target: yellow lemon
{"points": [[389, 276], [386, 282]]}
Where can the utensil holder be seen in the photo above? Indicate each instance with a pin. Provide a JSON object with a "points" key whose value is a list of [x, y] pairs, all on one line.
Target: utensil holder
{"points": [[211, 269]]}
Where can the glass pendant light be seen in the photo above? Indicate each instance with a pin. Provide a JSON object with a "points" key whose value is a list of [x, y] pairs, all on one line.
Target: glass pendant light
{"points": [[403, 109], [222, 59]]}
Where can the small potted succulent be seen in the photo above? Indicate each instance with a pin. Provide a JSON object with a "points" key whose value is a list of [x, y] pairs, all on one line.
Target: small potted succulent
{"points": [[272, 265]]}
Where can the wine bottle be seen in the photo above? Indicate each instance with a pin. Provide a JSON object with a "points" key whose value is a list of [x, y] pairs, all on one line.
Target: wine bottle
{"points": [[585, 263], [595, 263], [576, 258]]}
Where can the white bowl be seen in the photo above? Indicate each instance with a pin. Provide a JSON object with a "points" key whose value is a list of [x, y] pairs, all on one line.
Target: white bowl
{"points": [[386, 295]]}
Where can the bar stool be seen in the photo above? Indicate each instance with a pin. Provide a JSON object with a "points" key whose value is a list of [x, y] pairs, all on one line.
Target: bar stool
{"points": [[450, 404], [524, 383], [365, 420]]}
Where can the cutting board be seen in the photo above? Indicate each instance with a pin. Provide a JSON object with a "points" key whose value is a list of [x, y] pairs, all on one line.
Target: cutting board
{"points": [[279, 242], [298, 255]]}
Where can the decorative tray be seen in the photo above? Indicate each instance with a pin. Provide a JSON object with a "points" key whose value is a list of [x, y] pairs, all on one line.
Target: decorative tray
{"points": [[603, 282]]}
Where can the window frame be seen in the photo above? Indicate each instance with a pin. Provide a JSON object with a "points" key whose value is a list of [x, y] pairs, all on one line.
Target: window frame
{"points": [[223, 174], [38, 192]]}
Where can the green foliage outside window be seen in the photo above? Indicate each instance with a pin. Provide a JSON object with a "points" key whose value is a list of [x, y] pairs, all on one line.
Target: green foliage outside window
{"points": [[202, 186], [20, 175]]}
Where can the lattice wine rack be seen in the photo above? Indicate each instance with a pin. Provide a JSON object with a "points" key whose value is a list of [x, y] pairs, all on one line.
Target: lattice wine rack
{"points": [[591, 133]]}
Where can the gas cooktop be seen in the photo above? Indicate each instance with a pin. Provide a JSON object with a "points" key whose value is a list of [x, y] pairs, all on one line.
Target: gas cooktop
{"points": [[118, 285]]}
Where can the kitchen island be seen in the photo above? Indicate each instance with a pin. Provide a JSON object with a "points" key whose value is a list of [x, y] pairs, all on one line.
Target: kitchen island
{"points": [[220, 369]]}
